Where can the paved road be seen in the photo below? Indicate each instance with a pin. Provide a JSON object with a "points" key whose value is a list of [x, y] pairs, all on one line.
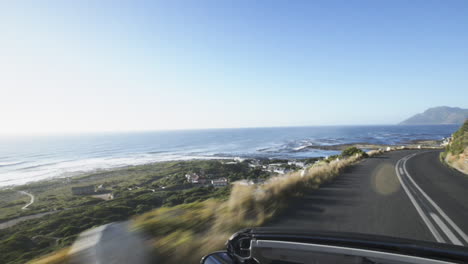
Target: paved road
{"points": [[113, 243], [406, 193], [441, 195]]}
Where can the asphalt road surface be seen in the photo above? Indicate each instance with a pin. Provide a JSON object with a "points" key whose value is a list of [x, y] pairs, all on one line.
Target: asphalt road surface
{"points": [[407, 194], [113, 243]]}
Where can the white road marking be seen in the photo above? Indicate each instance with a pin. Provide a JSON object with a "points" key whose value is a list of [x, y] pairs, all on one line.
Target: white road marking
{"points": [[428, 223], [442, 213], [401, 171], [446, 230]]}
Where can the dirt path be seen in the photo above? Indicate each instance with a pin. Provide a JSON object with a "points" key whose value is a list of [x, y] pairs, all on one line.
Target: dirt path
{"points": [[31, 202], [15, 221]]}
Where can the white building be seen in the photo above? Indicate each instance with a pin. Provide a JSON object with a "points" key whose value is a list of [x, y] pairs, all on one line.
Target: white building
{"points": [[277, 168], [297, 163], [446, 141], [195, 178], [239, 159], [221, 182]]}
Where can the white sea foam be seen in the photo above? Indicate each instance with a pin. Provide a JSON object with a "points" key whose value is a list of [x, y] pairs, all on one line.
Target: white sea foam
{"points": [[76, 167]]}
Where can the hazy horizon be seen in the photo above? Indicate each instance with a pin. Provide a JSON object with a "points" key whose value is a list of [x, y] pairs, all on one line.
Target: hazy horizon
{"points": [[97, 67], [115, 132]]}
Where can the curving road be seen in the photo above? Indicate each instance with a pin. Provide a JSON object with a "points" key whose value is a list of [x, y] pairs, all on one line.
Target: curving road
{"points": [[440, 194], [406, 193]]}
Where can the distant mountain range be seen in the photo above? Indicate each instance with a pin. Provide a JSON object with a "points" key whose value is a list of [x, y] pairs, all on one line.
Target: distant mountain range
{"points": [[438, 116]]}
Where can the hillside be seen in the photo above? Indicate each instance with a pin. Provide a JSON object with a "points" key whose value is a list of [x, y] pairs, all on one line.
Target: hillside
{"points": [[438, 115], [456, 153]]}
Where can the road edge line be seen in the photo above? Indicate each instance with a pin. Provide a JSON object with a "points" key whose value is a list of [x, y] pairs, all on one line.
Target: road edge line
{"points": [[425, 219], [453, 238], [439, 210]]}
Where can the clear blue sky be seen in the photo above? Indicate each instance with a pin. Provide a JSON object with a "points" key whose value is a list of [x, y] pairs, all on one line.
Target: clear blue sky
{"points": [[69, 66]]}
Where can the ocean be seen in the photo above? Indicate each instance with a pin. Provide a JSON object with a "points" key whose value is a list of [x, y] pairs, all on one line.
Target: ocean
{"points": [[25, 159]]}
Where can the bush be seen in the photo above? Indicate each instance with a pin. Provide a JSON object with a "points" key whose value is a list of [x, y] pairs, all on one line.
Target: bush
{"points": [[460, 140], [351, 151], [332, 158]]}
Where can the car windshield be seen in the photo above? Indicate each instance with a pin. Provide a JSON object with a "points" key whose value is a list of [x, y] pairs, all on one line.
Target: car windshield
{"points": [[152, 131]]}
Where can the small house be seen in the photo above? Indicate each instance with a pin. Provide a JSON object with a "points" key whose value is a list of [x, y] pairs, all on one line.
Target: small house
{"points": [[195, 178], [221, 182]]}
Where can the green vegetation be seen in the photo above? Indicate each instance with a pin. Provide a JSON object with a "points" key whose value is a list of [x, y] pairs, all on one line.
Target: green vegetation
{"points": [[310, 161], [56, 194], [196, 195], [459, 140], [41, 236], [351, 151], [348, 152], [136, 190], [457, 150], [11, 203], [58, 257]]}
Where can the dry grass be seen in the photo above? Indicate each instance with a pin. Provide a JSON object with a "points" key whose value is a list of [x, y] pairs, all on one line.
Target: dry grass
{"points": [[57, 257], [458, 161], [187, 232], [375, 152]]}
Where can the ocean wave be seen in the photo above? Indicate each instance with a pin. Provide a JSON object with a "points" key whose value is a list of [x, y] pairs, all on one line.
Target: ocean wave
{"points": [[41, 155], [43, 165], [300, 148], [10, 164], [267, 150], [157, 152]]}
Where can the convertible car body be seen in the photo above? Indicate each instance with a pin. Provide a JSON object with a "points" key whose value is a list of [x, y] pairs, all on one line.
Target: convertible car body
{"points": [[275, 246]]}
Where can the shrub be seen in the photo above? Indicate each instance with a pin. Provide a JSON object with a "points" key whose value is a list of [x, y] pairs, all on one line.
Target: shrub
{"points": [[460, 140], [351, 151]]}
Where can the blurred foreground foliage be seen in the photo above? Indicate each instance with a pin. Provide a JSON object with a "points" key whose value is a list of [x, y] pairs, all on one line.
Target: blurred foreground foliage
{"points": [[184, 233]]}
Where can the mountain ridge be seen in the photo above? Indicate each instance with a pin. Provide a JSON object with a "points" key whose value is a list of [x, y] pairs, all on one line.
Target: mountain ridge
{"points": [[440, 115]]}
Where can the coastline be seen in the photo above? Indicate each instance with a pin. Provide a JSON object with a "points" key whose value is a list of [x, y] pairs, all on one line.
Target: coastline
{"points": [[48, 158], [123, 174], [412, 144]]}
